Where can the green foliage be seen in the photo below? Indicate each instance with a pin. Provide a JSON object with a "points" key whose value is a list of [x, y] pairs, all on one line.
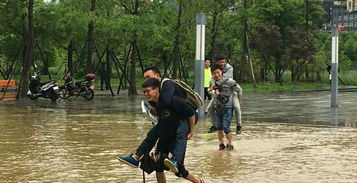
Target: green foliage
{"points": [[277, 34], [348, 44]]}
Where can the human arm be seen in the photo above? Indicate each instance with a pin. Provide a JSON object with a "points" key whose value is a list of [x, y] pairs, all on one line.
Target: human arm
{"points": [[228, 72], [240, 98], [192, 124]]}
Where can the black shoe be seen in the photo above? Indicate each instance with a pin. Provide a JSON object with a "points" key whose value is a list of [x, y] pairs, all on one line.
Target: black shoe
{"points": [[221, 147], [212, 129], [229, 147], [239, 129]]}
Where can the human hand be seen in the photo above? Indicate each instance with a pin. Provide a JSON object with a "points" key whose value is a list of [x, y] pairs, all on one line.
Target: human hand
{"points": [[190, 135], [217, 92], [153, 110], [210, 88]]}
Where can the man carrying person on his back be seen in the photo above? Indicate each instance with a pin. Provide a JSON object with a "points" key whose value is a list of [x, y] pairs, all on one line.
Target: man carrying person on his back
{"points": [[224, 88], [170, 93], [227, 70]]}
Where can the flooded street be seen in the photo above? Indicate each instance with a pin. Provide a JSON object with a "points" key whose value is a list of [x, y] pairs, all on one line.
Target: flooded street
{"points": [[287, 137]]}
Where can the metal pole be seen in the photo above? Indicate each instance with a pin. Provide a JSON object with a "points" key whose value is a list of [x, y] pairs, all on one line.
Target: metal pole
{"points": [[334, 68], [200, 55]]}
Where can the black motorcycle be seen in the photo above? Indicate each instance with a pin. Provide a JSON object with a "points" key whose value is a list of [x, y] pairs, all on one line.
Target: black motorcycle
{"points": [[47, 89], [81, 88]]}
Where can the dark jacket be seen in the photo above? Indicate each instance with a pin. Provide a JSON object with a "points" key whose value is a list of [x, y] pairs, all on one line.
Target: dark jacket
{"points": [[168, 90], [169, 120]]}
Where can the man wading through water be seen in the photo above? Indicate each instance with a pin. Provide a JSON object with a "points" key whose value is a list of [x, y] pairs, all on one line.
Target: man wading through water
{"points": [[227, 70], [173, 110], [224, 90]]}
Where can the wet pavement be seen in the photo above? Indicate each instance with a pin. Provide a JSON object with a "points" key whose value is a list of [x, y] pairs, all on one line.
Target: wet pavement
{"points": [[287, 137]]}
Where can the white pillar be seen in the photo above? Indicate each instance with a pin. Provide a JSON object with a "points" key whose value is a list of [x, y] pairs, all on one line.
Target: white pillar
{"points": [[334, 68], [200, 56]]}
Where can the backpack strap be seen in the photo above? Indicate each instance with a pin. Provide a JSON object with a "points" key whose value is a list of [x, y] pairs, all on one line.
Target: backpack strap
{"points": [[162, 82]]}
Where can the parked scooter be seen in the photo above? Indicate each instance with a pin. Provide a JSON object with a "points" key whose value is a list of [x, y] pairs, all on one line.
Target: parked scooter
{"points": [[81, 88], [47, 89]]}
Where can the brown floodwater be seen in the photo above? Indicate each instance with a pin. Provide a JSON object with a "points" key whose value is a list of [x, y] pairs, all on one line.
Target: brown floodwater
{"points": [[287, 137]]}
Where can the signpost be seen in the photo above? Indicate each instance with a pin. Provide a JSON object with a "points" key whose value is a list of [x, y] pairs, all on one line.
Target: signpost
{"points": [[334, 68], [200, 55], [341, 20]]}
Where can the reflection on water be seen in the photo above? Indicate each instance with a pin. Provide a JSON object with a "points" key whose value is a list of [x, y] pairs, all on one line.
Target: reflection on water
{"points": [[287, 137]]}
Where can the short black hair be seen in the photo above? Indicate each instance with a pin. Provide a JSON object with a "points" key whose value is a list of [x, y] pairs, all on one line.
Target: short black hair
{"points": [[220, 57], [151, 82], [215, 67], [152, 68]]}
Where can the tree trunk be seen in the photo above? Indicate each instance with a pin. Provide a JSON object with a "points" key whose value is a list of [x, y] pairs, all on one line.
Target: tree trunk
{"points": [[245, 65], [90, 64], [278, 71], [176, 50], [307, 73], [25, 74], [318, 77], [132, 78], [70, 57], [214, 30], [292, 74], [2, 72], [165, 63], [109, 66], [246, 47], [307, 19]]}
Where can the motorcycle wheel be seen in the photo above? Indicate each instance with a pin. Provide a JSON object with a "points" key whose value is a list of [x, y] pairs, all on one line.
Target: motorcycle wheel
{"points": [[64, 93], [87, 93], [52, 95], [32, 97]]}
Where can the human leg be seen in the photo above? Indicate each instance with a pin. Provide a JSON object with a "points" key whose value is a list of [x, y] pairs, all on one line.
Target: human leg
{"points": [[101, 83], [220, 132], [148, 143], [193, 179], [208, 97], [144, 148], [220, 135], [210, 110], [211, 113], [106, 83], [187, 175], [227, 118], [238, 113], [179, 150], [206, 94], [160, 177], [229, 138]]}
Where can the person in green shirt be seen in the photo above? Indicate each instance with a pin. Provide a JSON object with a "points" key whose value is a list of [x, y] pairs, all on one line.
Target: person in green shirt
{"points": [[207, 78]]}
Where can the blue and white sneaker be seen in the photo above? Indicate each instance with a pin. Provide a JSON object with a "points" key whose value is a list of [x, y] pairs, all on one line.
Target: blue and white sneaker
{"points": [[171, 164], [129, 160]]}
